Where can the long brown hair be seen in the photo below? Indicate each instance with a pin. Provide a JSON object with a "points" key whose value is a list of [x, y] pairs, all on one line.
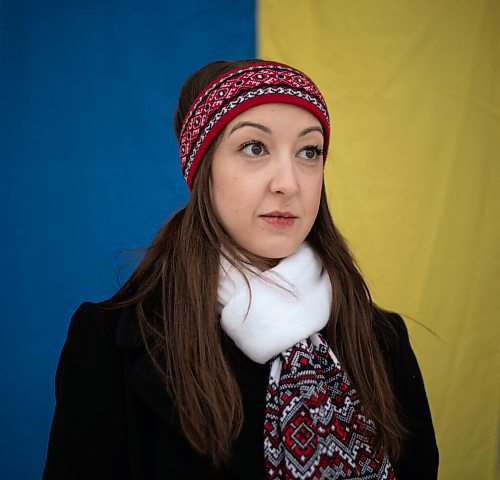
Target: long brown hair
{"points": [[174, 293]]}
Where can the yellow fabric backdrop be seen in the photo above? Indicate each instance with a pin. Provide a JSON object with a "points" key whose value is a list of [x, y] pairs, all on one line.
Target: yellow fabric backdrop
{"points": [[414, 183]]}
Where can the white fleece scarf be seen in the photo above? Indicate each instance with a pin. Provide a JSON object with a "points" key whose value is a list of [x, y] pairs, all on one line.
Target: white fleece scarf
{"points": [[287, 304]]}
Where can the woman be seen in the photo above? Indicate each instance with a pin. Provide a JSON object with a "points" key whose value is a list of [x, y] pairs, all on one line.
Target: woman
{"points": [[245, 344]]}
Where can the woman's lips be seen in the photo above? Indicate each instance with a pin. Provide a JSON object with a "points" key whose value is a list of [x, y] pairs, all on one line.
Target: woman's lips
{"points": [[279, 219]]}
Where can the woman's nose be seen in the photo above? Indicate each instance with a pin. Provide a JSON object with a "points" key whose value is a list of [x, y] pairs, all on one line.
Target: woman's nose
{"points": [[284, 179]]}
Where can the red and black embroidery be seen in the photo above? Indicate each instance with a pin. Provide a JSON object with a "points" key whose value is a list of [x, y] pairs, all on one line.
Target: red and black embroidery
{"points": [[314, 425]]}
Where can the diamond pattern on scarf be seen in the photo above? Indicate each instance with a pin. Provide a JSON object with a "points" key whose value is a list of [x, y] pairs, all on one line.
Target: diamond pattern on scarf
{"points": [[314, 425]]}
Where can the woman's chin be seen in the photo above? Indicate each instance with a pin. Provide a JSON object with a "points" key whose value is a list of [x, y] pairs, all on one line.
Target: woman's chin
{"points": [[274, 252]]}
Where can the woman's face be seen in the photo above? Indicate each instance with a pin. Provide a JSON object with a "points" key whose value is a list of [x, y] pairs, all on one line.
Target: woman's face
{"points": [[266, 178]]}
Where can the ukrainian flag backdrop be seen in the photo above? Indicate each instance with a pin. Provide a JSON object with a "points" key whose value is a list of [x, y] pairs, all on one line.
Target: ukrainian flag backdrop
{"points": [[89, 166]]}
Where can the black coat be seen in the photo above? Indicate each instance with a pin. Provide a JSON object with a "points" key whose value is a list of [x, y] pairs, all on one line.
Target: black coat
{"points": [[113, 419]]}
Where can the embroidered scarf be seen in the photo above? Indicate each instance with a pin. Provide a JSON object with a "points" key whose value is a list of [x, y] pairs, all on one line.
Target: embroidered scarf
{"points": [[314, 427]]}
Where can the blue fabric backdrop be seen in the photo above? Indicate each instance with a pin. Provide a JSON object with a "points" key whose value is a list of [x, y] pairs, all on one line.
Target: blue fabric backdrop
{"points": [[89, 166]]}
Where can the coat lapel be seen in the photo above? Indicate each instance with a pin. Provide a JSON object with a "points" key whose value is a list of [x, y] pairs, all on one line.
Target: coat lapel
{"points": [[144, 381], [140, 373]]}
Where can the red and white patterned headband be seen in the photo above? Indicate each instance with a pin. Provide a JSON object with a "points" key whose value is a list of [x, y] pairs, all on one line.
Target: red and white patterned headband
{"points": [[236, 91]]}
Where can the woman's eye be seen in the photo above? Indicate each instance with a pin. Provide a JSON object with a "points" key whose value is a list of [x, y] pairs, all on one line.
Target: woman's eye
{"points": [[311, 152], [254, 149]]}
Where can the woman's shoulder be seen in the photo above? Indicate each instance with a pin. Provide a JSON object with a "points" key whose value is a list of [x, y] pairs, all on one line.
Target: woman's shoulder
{"points": [[392, 336], [92, 318], [99, 322], [390, 328]]}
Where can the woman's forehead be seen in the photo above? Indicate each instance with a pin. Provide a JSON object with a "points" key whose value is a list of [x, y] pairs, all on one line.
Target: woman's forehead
{"points": [[275, 114]]}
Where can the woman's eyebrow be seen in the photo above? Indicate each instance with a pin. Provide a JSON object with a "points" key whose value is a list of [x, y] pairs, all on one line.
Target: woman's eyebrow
{"points": [[250, 124], [310, 129], [268, 130]]}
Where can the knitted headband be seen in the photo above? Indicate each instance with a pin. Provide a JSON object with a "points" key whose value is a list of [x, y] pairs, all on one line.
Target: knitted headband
{"points": [[236, 91]]}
